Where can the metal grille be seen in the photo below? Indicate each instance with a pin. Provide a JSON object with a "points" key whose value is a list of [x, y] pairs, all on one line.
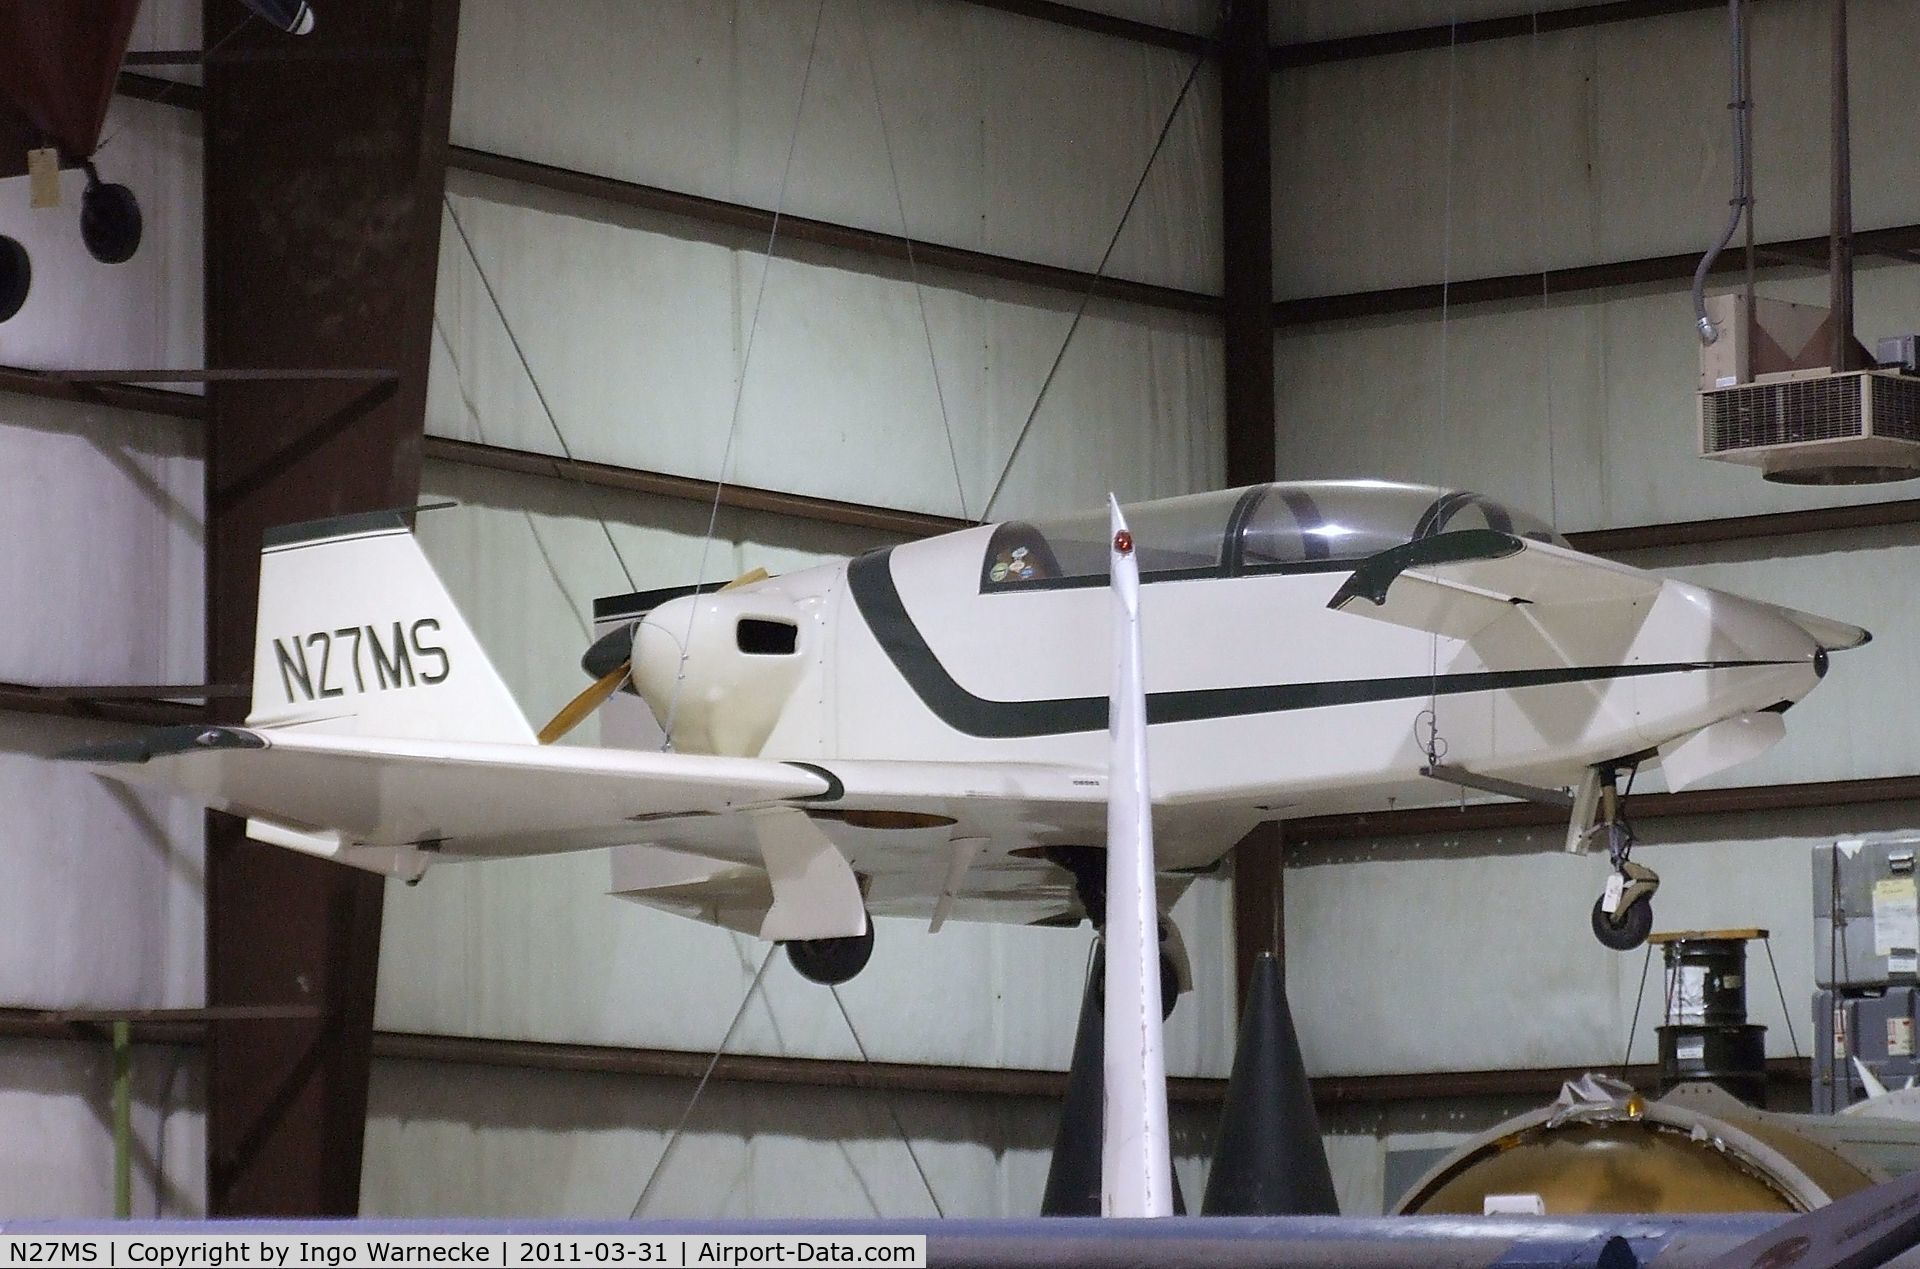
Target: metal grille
{"points": [[1896, 408], [1761, 414]]}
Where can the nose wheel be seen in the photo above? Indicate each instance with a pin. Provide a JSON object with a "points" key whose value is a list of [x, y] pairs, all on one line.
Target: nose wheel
{"points": [[1622, 916], [1630, 920]]}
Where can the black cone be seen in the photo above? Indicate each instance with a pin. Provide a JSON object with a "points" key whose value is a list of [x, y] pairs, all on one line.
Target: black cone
{"points": [[1073, 1178], [1268, 1159]]}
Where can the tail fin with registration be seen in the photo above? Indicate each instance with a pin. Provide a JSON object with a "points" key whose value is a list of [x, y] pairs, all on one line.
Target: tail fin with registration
{"points": [[357, 635]]}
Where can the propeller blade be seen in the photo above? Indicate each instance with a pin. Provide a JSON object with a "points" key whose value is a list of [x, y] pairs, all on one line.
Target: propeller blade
{"points": [[748, 578], [576, 710]]}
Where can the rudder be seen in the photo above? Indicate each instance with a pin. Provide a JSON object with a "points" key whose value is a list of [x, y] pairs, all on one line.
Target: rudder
{"points": [[356, 634]]}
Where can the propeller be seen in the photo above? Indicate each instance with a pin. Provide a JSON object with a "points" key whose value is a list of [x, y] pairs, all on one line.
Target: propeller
{"points": [[575, 711]]}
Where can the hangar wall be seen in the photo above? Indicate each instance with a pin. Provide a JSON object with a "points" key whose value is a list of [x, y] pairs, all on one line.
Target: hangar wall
{"points": [[100, 888], [1605, 143], [637, 327]]}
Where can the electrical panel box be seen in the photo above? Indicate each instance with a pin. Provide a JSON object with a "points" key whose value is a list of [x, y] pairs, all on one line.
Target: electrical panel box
{"points": [[1876, 1028], [1782, 341], [1866, 920], [1901, 352]]}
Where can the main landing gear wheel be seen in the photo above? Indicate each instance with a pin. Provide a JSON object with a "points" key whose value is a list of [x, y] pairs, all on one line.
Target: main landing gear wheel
{"points": [[831, 962], [1631, 888], [1622, 916], [1625, 930]]}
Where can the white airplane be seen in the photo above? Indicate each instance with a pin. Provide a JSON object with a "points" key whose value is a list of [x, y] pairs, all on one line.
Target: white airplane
{"points": [[921, 731]]}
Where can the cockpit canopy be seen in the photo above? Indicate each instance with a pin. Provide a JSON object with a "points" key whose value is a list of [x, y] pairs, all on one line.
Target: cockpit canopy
{"points": [[1303, 526]]}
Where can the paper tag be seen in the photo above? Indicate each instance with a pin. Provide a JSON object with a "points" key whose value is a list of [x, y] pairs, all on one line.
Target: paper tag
{"points": [[1899, 1037], [1896, 916], [1687, 995], [1839, 1032], [43, 177], [1691, 1049], [1610, 900]]}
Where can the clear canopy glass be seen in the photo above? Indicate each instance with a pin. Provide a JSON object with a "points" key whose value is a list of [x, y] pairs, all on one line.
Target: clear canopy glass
{"points": [[1285, 526]]}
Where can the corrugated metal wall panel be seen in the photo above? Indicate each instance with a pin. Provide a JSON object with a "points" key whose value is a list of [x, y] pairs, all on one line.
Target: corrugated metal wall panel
{"points": [[1010, 136], [55, 1108], [1600, 387], [462, 1141], [636, 330], [1607, 143], [1451, 989]]}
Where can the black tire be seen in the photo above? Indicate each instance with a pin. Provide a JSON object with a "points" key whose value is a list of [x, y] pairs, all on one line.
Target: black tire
{"points": [[16, 275], [831, 962], [1624, 931], [110, 223]]}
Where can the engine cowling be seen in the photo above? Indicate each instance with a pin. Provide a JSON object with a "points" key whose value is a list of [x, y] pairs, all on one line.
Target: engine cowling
{"points": [[744, 652]]}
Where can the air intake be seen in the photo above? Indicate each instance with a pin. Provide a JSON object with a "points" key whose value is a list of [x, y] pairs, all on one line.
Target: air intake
{"points": [[1844, 429]]}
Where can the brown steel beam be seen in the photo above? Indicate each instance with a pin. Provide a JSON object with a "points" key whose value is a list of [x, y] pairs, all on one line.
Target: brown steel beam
{"points": [[1616, 541], [1246, 235], [1101, 24], [40, 383], [974, 1080], [823, 233], [1891, 242], [164, 92], [106, 704], [1774, 524], [1381, 43], [909, 524], [1541, 1082], [969, 1081], [230, 374], [134, 691], [324, 179], [1310, 832], [914, 524]]}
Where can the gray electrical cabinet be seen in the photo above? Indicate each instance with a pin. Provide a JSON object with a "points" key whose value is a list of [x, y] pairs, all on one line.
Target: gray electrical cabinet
{"points": [[1866, 922], [1876, 1028]]}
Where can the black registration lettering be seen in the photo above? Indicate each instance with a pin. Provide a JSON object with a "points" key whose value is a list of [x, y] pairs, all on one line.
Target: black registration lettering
{"points": [[293, 668], [424, 650], [395, 670], [353, 633], [324, 641]]}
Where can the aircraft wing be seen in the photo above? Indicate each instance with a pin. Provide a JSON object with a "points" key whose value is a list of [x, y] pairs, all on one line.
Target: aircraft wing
{"points": [[465, 797], [1457, 584]]}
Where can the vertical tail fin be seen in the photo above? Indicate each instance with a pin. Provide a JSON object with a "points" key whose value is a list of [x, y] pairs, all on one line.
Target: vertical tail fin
{"points": [[356, 634]]}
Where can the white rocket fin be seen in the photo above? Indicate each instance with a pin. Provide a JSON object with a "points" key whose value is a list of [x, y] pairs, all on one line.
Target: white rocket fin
{"points": [[1869, 1080], [1135, 1161]]}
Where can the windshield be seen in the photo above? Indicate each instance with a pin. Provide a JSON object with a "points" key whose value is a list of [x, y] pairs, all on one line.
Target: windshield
{"points": [[1297, 526]]}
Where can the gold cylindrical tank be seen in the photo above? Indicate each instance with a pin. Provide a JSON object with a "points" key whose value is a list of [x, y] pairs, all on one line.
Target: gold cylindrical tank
{"points": [[1695, 1150]]}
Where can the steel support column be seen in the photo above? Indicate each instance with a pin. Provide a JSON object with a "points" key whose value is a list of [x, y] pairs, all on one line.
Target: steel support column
{"points": [[1246, 200], [324, 177]]}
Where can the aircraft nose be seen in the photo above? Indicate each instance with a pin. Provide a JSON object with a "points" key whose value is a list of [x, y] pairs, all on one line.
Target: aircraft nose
{"points": [[1748, 630]]}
